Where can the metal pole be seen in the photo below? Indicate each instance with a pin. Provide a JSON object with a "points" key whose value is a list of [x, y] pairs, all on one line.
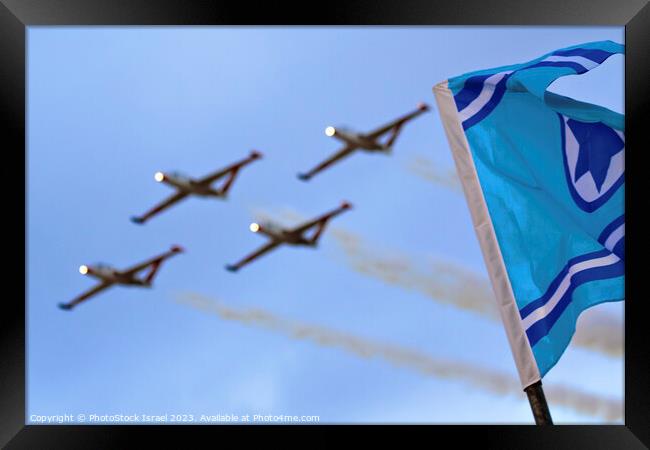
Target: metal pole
{"points": [[538, 404]]}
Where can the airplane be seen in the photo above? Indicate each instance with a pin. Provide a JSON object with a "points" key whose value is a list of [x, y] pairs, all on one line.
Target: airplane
{"points": [[293, 236], [365, 141], [110, 276], [202, 187]]}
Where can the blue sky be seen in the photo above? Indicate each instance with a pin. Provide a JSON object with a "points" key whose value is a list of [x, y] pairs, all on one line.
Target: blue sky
{"points": [[108, 107]]}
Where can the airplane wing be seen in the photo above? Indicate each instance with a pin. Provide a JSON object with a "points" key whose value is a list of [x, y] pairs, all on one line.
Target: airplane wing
{"points": [[321, 221], [389, 126], [143, 265], [262, 250], [161, 206], [89, 293], [307, 225], [345, 151], [208, 179]]}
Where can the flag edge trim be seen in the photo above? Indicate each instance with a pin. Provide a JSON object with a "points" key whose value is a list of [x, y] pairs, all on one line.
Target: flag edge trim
{"points": [[519, 344]]}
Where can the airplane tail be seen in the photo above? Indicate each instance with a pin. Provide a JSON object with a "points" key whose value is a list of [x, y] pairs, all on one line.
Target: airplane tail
{"points": [[155, 266], [388, 146], [421, 108], [234, 170], [345, 205], [152, 273]]}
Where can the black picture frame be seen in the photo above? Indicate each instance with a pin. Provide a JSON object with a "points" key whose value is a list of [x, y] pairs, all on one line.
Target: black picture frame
{"points": [[16, 15]]}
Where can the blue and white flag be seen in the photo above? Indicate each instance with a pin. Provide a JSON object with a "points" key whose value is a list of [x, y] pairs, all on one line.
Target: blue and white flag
{"points": [[543, 175]]}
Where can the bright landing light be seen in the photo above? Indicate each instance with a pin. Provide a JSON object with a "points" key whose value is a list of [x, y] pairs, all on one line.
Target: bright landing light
{"points": [[254, 227], [83, 270], [159, 176], [329, 131]]}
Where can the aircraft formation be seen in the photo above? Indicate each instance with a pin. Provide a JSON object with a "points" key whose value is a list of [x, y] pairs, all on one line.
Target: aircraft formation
{"points": [[205, 187]]}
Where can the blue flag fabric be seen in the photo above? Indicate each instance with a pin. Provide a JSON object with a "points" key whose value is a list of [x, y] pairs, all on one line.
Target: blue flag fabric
{"points": [[544, 178]]}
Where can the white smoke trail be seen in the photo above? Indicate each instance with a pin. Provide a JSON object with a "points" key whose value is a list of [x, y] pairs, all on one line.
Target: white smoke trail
{"points": [[450, 284], [427, 169], [600, 332], [492, 381], [439, 280]]}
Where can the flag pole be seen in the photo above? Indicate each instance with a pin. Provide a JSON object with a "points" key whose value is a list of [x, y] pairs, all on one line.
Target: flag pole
{"points": [[538, 404]]}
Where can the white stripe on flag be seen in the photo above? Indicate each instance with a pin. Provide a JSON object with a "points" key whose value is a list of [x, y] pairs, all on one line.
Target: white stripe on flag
{"points": [[616, 236], [545, 309], [486, 94], [585, 62]]}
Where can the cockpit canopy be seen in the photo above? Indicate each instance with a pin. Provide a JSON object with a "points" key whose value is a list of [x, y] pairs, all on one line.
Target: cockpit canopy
{"points": [[179, 176], [272, 226]]}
